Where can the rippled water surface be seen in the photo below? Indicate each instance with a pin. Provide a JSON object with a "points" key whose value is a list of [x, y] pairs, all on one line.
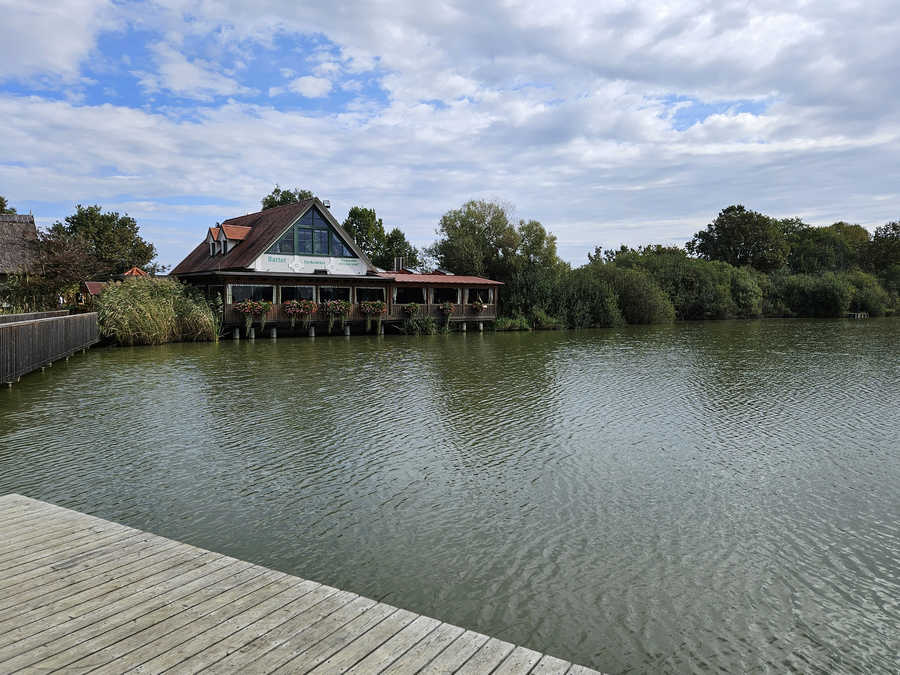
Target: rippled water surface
{"points": [[711, 496]]}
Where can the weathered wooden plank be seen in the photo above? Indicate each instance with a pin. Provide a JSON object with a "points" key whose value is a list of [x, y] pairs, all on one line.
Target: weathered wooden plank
{"points": [[39, 592], [337, 640], [487, 658], [85, 540], [63, 636], [73, 612], [217, 629], [81, 594], [76, 559], [449, 660], [234, 589], [395, 647], [50, 538], [366, 643], [550, 665], [216, 652], [133, 643], [519, 662], [299, 629], [427, 649]]}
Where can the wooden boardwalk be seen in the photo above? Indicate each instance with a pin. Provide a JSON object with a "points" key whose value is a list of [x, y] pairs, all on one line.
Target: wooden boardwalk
{"points": [[80, 594], [27, 345]]}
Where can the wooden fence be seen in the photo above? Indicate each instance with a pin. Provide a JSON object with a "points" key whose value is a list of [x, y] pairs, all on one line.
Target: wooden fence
{"points": [[31, 344], [16, 318]]}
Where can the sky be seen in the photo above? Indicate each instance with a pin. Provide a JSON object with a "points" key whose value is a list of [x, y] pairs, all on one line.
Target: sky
{"points": [[610, 122]]}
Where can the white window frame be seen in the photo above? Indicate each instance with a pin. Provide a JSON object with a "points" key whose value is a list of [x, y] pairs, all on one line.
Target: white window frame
{"points": [[272, 286]]}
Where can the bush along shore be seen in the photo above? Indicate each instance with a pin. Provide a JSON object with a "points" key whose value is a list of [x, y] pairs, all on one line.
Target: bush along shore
{"points": [[743, 265]]}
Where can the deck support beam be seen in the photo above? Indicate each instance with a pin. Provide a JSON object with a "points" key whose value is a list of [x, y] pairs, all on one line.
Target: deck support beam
{"points": [[273, 333], [312, 331]]}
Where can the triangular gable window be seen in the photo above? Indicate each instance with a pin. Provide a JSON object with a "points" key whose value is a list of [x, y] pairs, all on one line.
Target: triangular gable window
{"points": [[312, 235]]}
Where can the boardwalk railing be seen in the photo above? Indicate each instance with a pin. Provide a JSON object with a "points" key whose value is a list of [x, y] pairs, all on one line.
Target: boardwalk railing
{"points": [[16, 318], [29, 345]]}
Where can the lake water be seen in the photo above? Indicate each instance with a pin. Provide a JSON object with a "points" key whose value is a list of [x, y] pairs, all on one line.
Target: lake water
{"points": [[703, 496]]}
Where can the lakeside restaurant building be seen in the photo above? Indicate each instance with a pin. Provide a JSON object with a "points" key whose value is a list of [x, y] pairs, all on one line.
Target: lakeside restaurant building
{"points": [[299, 251]]}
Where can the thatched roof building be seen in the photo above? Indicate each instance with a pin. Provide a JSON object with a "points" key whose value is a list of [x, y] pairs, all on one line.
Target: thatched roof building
{"points": [[18, 243]]}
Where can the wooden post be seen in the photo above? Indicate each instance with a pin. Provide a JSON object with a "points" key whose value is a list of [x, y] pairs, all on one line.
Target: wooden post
{"points": [[312, 331], [252, 335], [273, 333], [481, 326], [347, 330], [236, 334], [462, 327]]}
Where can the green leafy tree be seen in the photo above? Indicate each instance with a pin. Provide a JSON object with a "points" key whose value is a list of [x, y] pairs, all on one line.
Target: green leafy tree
{"points": [[840, 246], [741, 237], [396, 245], [62, 262], [112, 238], [477, 239], [4, 206], [367, 230], [537, 272], [279, 197], [884, 249]]}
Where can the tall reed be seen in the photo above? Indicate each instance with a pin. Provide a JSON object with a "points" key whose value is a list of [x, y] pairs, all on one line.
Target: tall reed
{"points": [[151, 311]]}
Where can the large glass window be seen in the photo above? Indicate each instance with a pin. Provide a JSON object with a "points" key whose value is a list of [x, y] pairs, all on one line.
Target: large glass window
{"points": [[404, 295], [320, 242], [285, 244], [312, 235], [480, 294], [334, 293], [304, 242], [298, 293], [442, 295], [241, 292], [369, 294]]}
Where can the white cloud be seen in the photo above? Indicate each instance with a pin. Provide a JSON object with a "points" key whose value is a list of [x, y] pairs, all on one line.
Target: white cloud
{"points": [[310, 86], [568, 113], [50, 38], [195, 79]]}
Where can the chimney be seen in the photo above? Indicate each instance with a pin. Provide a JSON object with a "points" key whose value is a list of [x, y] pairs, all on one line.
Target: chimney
{"points": [[398, 263]]}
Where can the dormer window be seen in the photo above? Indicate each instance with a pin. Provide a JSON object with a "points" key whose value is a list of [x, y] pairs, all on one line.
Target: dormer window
{"points": [[212, 249]]}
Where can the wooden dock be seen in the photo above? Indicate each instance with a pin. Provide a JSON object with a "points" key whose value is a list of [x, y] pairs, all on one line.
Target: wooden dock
{"points": [[80, 594]]}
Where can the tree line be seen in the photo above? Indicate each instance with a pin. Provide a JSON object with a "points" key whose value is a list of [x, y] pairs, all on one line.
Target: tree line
{"points": [[743, 264]]}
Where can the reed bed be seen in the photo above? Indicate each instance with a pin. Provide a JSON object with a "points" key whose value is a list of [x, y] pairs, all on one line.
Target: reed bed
{"points": [[151, 311]]}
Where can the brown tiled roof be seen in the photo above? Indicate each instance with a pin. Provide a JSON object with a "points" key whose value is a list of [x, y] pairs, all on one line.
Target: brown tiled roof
{"points": [[214, 231], [260, 229], [236, 231], [439, 279], [95, 287]]}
